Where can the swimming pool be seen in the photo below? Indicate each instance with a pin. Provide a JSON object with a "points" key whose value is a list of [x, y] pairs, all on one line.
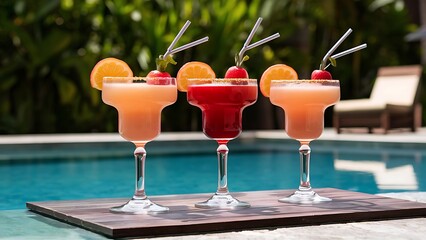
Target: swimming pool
{"points": [[55, 171]]}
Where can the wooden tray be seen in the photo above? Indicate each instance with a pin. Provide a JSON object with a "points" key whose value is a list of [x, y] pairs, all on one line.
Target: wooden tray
{"points": [[266, 211]]}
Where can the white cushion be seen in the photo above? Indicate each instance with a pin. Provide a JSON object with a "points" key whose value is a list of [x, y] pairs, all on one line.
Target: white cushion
{"points": [[393, 90], [397, 90], [362, 105]]}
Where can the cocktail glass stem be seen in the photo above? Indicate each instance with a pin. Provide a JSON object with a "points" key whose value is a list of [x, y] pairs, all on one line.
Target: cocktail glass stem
{"points": [[222, 199], [140, 203], [304, 194], [222, 159], [305, 155], [140, 156]]}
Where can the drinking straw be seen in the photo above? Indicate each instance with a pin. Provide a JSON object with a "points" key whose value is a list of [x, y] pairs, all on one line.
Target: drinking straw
{"points": [[346, 52], [170, 49], [327, 56], [188, 45], [260, 42], [250, 37], [247, 45], [349, 51], [178, 36]]}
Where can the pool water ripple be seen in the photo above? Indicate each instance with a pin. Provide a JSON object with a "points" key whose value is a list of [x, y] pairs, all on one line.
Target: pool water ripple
{"points": [[252, 166]]}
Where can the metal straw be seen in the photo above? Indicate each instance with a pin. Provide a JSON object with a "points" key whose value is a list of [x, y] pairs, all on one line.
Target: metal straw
{"points": [[178, 36], [327, 56], [260, 42], [250, 37], [349, 51], [247, 45], [188, 45], [346, 52]]}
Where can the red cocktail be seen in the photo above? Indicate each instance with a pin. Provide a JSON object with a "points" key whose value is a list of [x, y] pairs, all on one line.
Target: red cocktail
{"points": [[222, 102], [222, 107]]}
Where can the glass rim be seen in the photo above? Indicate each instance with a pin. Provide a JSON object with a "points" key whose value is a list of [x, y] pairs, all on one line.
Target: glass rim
{"points": [[132, 79], [200, 81], [327, 81]]}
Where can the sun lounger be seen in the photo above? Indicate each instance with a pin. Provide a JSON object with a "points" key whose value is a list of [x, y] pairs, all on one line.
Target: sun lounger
{"points": [[394, 102]]}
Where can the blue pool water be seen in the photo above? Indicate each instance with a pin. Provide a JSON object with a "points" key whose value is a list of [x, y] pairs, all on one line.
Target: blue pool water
{"points": [[58, 173]]}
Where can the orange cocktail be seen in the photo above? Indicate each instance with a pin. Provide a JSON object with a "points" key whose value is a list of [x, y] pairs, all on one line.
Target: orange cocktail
{"points": [[139, 102], [304, 102], [139, 106]]}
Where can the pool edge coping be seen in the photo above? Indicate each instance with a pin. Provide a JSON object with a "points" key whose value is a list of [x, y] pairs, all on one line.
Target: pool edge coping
{"points": [[329, 134]]}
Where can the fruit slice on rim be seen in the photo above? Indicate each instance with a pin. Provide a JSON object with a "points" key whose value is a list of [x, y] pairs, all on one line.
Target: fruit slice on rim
{"points": [[276, 72], [109, 67], [193, 70]]}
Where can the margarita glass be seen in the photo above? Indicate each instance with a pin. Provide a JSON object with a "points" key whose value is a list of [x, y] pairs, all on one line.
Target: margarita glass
{"points": [[139, 102], [304, 103], [222, 102]]}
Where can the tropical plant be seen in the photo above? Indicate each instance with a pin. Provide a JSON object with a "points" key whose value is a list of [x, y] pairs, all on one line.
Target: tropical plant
{"points": [[49, 47]]}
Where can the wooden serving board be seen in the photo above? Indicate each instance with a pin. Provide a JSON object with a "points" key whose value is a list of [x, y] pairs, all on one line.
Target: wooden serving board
{"points": [[266, 211]]}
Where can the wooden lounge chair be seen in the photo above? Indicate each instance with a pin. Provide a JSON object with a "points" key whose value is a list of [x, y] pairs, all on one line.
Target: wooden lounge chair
{"points": [[394, 102]]}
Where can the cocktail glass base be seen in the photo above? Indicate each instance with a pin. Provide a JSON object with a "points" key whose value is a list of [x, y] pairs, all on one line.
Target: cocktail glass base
{"points": [[139, 206], [222, 201], [305, 197]]}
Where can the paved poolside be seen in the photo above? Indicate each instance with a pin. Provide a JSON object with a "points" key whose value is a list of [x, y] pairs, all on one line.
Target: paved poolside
{"points": [[414, 228]]}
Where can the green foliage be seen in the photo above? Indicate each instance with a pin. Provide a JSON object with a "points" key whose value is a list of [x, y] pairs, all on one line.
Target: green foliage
{"points": [[48, 48]]}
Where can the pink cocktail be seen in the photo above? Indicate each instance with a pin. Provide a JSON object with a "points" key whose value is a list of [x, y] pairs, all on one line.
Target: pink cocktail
{"points": [[139, 102], [222, 102], [304, 103]]}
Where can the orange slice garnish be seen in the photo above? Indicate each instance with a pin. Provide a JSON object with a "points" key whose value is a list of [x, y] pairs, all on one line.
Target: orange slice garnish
{"points": [[109, 67], [276, 72], [192, 70]]}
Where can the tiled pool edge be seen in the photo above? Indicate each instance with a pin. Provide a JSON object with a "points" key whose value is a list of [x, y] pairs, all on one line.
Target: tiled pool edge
{"points": [[111, 144], [329, 134]]}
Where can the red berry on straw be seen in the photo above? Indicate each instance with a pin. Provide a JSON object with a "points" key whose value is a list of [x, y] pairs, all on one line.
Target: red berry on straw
{"points": [[236, 72], [321, 74]]}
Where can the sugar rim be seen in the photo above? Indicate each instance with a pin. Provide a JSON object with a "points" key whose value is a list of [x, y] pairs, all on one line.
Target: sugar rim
{"points": [[132, 79], [331, 82], [201, 81]]}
